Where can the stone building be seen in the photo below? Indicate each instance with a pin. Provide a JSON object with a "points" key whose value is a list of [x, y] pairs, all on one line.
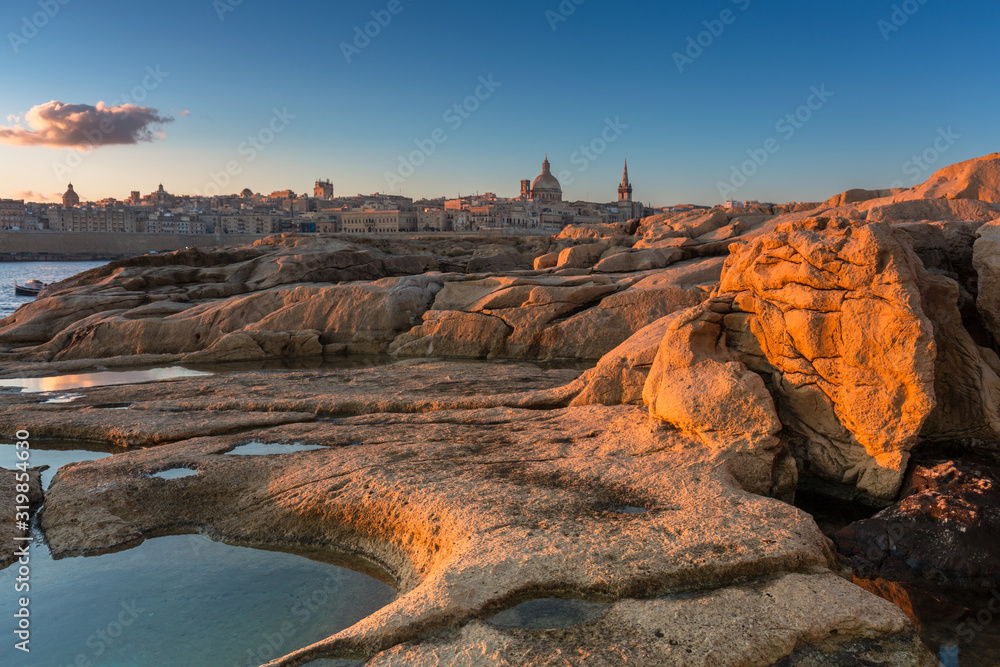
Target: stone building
{"points": [[323, 190], [378, 221], [76, 219], [12, 213]]}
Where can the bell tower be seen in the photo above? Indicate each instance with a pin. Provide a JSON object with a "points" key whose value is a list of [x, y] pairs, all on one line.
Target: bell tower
{"points": [[625, 189]]}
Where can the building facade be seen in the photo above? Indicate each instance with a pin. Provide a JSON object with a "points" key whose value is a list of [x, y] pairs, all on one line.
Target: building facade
{"points": [[87, 219], [12, 214]]}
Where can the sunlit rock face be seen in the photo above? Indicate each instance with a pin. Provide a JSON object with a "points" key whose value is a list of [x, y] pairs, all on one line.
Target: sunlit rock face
{"points": [[829, 313]]}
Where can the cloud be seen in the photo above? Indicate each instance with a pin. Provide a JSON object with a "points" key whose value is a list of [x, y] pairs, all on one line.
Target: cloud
{"points": [[60, 125], [37, 197]]}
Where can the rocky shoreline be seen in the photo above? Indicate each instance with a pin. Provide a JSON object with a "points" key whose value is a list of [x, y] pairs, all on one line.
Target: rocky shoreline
{"points": [[732, 359]]}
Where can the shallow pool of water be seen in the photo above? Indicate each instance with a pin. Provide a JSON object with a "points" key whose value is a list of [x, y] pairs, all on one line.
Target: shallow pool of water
{"points": [[59, 383], [550, 614], [266, 449], [56, 454], [182, 601], [175, 473]]}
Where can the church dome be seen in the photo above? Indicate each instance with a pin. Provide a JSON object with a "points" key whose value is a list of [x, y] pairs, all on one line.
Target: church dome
{"points": [[546, 186]]}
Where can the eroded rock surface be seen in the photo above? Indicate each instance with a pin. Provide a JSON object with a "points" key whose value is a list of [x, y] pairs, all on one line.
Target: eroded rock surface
{"points": [[472, 498], [832, 312]]}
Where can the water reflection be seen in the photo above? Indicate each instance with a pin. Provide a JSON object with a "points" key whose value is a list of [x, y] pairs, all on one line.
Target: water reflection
{"points": [[100, 379], [56, 454], [185, 601]]}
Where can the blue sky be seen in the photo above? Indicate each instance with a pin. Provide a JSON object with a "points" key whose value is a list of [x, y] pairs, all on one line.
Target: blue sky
{"points": [[889, 94]]}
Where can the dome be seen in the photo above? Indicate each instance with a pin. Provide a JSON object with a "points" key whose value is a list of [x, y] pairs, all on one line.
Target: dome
{"points": [[546, 183], [546, 186]]}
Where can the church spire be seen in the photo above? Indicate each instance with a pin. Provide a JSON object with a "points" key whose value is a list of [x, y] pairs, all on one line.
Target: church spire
{"points": [[625, 189]]}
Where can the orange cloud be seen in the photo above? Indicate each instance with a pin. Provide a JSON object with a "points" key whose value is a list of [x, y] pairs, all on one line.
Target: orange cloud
{"points": [[60, 125], [37, 197]]}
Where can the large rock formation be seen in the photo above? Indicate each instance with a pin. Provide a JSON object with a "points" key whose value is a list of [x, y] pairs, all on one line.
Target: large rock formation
{"points": [[831, 313]]}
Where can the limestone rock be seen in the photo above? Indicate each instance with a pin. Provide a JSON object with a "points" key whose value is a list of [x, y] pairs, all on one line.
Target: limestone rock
{"points": [[497, 259], [795, 620], [966, 384], [987, 265], [619, 377], [451, 333], [13, 484], [978, 178], [858, 195], [511, 316], [932, 209], [831, 310], [942, 532], [581, 256], [260, 345], [547, 261], [594, 231], [639, 260], [698, 387]]}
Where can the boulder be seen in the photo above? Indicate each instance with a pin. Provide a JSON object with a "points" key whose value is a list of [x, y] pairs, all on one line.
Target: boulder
{"points": [[497, 259], [696, 385], [523, 308], [856, 196], [831, 312], [966, 380], [620, 375], [932, 209], [577, 232], [547, 261], [450, 333], [581, 256], [689, 224], [639, 260], [260, 345], [943, 532]]}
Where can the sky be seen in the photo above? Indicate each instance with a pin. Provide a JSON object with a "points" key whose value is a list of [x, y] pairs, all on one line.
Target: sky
{"points": [[774, 101]]}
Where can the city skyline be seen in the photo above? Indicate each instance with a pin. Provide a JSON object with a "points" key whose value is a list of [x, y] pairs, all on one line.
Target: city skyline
{"points": [[734, 99]]}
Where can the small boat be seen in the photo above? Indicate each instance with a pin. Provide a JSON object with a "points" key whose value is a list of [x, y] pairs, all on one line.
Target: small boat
{"points": [[30, 288]]}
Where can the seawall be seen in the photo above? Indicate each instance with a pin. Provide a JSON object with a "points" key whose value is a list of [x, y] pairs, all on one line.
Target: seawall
{"points": [[21, 246]]}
